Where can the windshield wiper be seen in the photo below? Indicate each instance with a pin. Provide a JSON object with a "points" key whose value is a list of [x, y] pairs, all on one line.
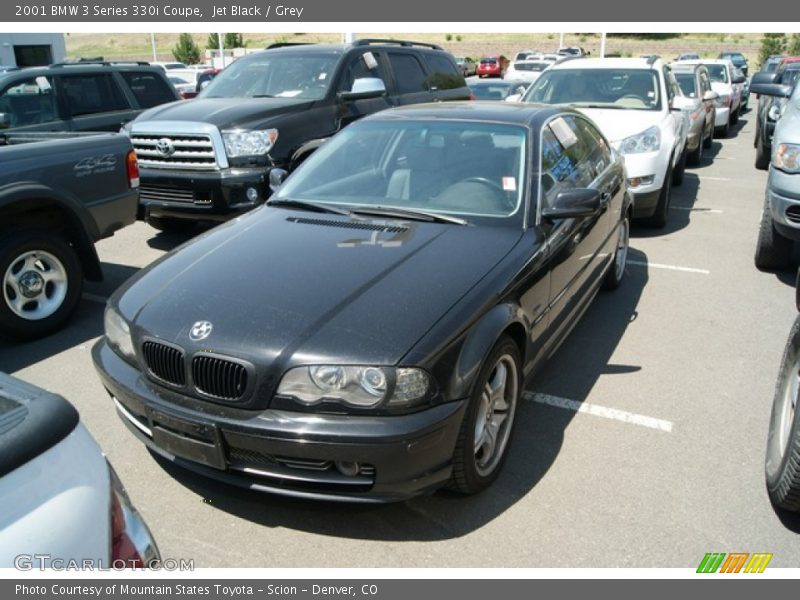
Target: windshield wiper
{"points": [[315, 206], [408, 213]]}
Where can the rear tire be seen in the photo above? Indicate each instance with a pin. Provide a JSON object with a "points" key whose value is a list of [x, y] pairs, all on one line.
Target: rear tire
{"points": [[41, 284], [482, 445], [773, 251], [616, 272], [782, 464], [169, 225]]}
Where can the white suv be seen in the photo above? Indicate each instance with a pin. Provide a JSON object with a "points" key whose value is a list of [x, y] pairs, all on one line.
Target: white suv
{"points": [[727, 81], [632, 100]]}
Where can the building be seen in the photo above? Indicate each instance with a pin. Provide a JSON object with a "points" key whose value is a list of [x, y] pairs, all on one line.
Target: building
{"points": [[31, 49]]}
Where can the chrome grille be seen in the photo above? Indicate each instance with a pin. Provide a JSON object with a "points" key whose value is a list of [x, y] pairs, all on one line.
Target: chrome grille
{"points": [[219, 378], [793, 214], [165, 193], [190, 151], [164, 363]]}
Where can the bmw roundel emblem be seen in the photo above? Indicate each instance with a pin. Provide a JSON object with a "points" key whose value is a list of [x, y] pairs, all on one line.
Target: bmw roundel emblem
{"points": [[200, 330]]}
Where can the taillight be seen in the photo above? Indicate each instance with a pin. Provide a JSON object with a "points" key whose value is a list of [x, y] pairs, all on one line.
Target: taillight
{"points": [[133, 169], [471, 97], [132, 545]]}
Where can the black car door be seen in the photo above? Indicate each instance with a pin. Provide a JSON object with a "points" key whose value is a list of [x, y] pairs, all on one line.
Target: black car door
{"points": [[577, 246], [359, 66], [94, 101]]}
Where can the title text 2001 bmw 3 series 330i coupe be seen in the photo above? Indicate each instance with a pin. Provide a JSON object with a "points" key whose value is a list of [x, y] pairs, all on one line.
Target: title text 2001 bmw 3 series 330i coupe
{"points": [[365, 336]]}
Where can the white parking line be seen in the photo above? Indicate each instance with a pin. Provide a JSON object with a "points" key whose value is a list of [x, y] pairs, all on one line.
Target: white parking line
{"points": [[601, 411], [713, 211], [668, 267], [94, 298], [716, 178]]}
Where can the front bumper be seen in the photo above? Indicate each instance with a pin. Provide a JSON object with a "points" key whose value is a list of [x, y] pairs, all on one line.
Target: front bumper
{"points": [[289, 453], [202, 196], [648, 164], [783, 191]]}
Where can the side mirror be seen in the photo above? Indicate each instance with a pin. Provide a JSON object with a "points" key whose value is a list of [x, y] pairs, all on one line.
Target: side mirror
{"points": [[276, 178], [569, 204], [739, 78], [365, 87], [772, 89], [763, 77], [710, 95], [5, 120]]}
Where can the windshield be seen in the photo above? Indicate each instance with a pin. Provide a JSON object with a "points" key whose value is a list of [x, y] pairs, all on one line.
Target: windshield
{"points": [[687, 84], [614, 88], [718, 73], [275, 75], [491, 91], [737, 59], [455, 168]]}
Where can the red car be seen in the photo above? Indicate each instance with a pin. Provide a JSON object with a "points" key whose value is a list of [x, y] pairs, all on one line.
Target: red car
{"points": [[492, 66]]}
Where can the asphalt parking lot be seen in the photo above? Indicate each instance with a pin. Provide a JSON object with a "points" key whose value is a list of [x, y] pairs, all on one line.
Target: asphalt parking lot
{"points": [[641, 444]]}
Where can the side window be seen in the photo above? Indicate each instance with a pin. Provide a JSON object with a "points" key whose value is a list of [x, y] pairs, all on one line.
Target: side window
{"points": [[91, 94], [408, 73], [28, 102], [670, 84], [599, 156], [564, 159], [148, 88], [367, 64], [444, 74]]}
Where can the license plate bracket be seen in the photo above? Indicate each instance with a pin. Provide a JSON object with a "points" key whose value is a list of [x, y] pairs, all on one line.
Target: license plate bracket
{"points": [[194, 441]]}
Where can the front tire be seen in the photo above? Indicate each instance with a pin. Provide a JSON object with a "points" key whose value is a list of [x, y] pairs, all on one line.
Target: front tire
{"points": [[41, 281], [679, 170], [782, 464], [762, 156], [661, 215], [773, 251], [696, 156], [483, 440], [724, 131]]}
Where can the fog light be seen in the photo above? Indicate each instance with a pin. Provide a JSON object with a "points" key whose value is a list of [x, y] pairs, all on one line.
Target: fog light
{"points": [[252, 194], [347, 468]]}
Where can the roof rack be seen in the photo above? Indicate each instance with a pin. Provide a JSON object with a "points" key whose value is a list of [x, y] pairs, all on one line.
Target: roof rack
{"points": [[652, 59], [368, 41], [285, 44], [106, 63]]}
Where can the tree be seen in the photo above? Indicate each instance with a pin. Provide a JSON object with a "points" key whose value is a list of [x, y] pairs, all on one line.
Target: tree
{"points": [[233, 40], [771, 43], [794, 45], [212, 43], [186, 51]]}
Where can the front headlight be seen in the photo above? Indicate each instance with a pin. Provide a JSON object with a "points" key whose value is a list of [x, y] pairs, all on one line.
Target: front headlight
{"points": [[786, 157], [248, 143], [118, 334], [722, 100], [647, 141], [361, 387]]}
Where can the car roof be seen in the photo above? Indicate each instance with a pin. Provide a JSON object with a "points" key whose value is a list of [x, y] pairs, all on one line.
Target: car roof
{"points": [[686, 67], [705, 61], [606, 63], [511, 113], [85, 67], [787, 60]]}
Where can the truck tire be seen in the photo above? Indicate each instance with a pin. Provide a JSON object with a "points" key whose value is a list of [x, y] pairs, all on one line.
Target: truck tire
{"points": [[42, 281], [772, 249], [723, 131], [762, 156], [168, 225], [782, 463]]}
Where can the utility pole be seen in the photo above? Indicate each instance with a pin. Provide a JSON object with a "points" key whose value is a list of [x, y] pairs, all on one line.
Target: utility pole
{"points": [[221, 51], [153, 44]]}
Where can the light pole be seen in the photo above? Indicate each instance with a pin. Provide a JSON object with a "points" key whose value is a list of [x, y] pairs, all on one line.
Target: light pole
{"points": [[153, 44]]}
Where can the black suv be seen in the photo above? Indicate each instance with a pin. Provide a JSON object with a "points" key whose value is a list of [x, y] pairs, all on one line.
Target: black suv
{"points": [[210, 159], [81, 96]]}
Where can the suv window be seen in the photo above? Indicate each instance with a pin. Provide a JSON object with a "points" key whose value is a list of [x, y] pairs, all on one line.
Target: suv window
{"points": [[90, 94], [148, 88], [368, 64], [408, 73], [28, 102], [444, 74], [688, 84]]}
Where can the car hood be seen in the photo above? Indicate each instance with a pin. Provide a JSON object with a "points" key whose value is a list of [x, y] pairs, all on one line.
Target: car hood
{"points": [[224, 112], [618, 124], [283, 287]]}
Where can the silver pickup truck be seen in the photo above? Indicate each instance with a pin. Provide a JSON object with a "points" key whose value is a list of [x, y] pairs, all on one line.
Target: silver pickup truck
{"points": [[59, 194]]}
